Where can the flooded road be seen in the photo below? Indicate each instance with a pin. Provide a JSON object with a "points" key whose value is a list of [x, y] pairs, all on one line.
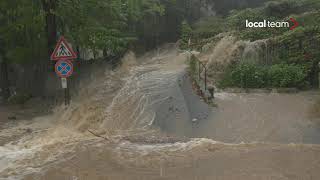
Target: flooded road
{"points": [[136, 123], [263, 117]]}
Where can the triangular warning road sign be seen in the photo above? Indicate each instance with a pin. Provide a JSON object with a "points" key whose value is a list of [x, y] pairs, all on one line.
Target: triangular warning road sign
{"points": [[63, 51]]}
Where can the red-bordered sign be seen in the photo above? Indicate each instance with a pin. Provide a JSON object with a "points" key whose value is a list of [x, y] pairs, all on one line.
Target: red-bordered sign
{"points": [[64, 68], [63, 51]]}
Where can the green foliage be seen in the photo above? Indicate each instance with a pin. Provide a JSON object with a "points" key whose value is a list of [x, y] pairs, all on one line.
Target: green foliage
{"points": [[193, 66], [98, 25], [284, 8], [286, 75], [247, 75], [109, 25], [185, 35], [224, 6], [237, 19], [255, 34], [209, 27], [296, 50], [301, 45], [273, 11], [21, 31], [27, 27]]}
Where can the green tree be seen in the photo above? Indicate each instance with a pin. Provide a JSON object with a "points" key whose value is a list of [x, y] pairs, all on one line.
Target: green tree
{"points": [[186, 32], [29, 29]]}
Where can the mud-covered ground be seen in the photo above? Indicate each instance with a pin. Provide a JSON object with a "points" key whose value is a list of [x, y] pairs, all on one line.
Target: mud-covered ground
{"points": [[137, 122]]}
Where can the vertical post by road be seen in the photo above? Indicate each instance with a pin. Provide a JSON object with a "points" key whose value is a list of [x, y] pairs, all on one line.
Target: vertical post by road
{"points": [[64, 83], [64, 54], [205, 78], [319, 76], [4, 79], [66, 96], [199, 67]]}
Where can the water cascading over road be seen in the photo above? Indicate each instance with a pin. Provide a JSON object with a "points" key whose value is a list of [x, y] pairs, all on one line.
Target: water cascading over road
{"points": [[136, 123]]}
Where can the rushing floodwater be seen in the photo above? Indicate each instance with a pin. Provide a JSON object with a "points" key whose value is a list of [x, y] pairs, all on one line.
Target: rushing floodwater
{"points": [[143, 113]]}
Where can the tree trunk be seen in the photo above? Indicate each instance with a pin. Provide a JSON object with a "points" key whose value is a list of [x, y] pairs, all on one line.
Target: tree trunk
{"points": [[49, 7], [46, 66], [4, 81]]}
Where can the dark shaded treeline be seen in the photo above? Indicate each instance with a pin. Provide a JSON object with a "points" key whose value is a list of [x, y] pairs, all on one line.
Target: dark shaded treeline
{"points": [[29, 30]]}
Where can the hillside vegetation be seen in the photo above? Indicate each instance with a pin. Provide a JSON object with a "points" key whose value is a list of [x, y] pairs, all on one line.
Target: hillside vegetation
{"points": [[285, 58]]}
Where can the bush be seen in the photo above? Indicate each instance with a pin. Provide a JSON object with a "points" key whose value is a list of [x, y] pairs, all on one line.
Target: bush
{"points": [[247, 75], [186, 32], [284, 8], [237, 19], [193, 66], [256, 34], [209, 27], [281, 8], [286, 75]]}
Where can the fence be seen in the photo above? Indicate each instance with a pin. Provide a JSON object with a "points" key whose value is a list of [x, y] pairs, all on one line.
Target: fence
{"points": [[199, 73]]}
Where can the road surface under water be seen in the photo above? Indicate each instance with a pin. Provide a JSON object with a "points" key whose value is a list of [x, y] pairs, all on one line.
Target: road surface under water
{"points": [[136, 123]]}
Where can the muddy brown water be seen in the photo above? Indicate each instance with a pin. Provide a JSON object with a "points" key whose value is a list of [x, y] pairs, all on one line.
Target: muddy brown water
{"points": [[141, 115], [269, 117]]}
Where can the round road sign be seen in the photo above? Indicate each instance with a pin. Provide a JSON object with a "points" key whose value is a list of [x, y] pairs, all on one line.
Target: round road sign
{"points": [[64, 68]]}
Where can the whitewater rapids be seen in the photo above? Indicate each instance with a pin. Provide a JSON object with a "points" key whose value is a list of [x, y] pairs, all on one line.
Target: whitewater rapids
{"points": [[136, 123]]}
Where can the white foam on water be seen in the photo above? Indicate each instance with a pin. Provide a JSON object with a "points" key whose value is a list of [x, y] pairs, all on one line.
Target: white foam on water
{"points": [[224, 95], [166, 147]]}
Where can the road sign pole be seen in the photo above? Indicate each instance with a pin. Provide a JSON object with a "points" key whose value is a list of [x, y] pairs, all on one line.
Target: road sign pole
{"points": [[63, 53], [67, 96], [64, 83]]}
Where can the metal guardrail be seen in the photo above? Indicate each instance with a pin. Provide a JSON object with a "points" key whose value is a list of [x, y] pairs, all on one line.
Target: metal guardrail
{"points": [[202, 73], [199, 72]]}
